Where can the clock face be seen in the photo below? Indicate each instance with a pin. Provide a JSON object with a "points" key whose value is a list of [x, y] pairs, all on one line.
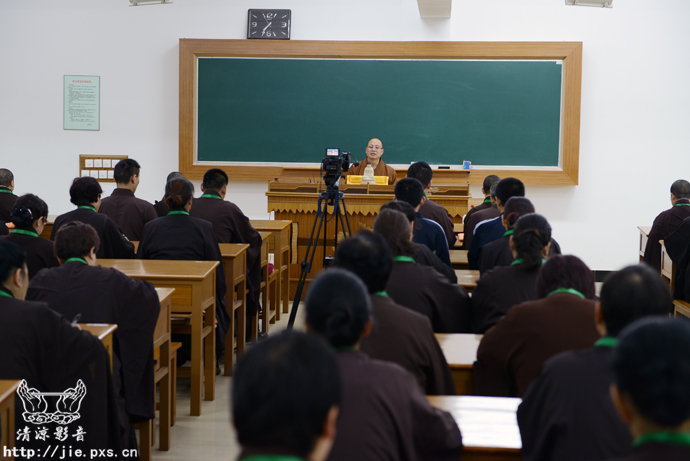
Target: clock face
{"points": [[269, 24]]}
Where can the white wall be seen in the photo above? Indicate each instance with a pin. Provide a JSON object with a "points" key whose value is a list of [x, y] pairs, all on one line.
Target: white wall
{"points": [[634, 94]]}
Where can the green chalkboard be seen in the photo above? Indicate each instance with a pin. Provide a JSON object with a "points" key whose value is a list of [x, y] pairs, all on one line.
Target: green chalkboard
{"points": [[443, 112]]}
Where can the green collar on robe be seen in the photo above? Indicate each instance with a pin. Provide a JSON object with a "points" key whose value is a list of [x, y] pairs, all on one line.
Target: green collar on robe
{"points": [[81, 260], [86, 207], [6, 294], [509, 232], [520, 261], [381, 293], [606, 341], [210, 196], [404, 259], [567, 290], [669, 438], [178, 212], [23, 232]]}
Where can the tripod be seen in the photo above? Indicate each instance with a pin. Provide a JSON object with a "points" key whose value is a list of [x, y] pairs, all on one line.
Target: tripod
{"points": [[331, 196]]}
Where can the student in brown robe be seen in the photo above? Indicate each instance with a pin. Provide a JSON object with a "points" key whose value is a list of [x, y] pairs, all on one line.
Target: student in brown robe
{"points": [[422, 253], [567, 413], [385, 414], [129, 212], [422, 172], [667, 222], [85, 193], [678, 248], [374, 153], [181, 237], [487, 210], [398, 334], [160, 207], [651, 369], [29, 217], [506, 286], [286, 394], [7, 197], [512, 351], [231, 226], [486, 190], [498, 252], [79, 287], [493, 229], [40, 347], [425, 231], [419, 287]]}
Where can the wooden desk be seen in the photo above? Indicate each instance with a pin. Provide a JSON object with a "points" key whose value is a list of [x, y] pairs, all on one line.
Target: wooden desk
{"points": [[195, 293], [104, 332], [460, 350], [235, 267], [458, 259], [8, 387], [681, 308], [668, 268], [298, 203], [467, 278], [280, 246], [488, 425], [644, 236]]}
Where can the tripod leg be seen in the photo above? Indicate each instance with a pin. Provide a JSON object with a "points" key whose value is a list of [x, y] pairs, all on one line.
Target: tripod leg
{"points": [[306, 266]]}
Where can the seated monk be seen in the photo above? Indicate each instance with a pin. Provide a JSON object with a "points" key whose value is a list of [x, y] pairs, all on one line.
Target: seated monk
{"points": [[374, 153]]}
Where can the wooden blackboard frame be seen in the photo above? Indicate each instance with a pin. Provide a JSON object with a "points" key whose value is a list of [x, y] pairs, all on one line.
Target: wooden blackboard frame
{"points": [[569, 52]]}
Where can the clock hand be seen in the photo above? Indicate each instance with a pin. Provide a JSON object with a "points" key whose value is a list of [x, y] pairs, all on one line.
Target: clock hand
{"points": [[267, 26]]}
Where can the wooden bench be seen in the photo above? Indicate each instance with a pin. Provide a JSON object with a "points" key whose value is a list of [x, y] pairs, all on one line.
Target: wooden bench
{"points": [[460, 350], [488, 425]]}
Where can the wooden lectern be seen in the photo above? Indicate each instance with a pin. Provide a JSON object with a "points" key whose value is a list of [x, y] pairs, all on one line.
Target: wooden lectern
{"points": [[298, 202]]}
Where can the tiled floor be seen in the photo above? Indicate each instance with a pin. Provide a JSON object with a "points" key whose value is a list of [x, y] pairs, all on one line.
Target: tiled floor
{"points": [[209, 436]]}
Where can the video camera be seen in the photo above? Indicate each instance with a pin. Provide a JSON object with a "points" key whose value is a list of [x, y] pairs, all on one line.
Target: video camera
{"points": [[334, 164]]}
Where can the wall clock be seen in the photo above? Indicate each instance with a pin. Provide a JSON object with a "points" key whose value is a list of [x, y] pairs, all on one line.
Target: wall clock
{"points": [[269, 24]]}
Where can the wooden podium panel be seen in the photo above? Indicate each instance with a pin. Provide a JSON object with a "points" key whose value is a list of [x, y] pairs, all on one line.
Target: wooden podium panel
{"points": [[299, 203]]}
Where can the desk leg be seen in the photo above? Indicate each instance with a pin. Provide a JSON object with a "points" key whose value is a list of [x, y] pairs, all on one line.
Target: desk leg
{"points": [[285, 283], [210, 353], [242, 317], [165, 396], [197, 361]]}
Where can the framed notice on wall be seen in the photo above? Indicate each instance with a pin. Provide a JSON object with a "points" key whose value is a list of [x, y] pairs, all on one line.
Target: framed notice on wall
{"points": [[82, 102]]}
